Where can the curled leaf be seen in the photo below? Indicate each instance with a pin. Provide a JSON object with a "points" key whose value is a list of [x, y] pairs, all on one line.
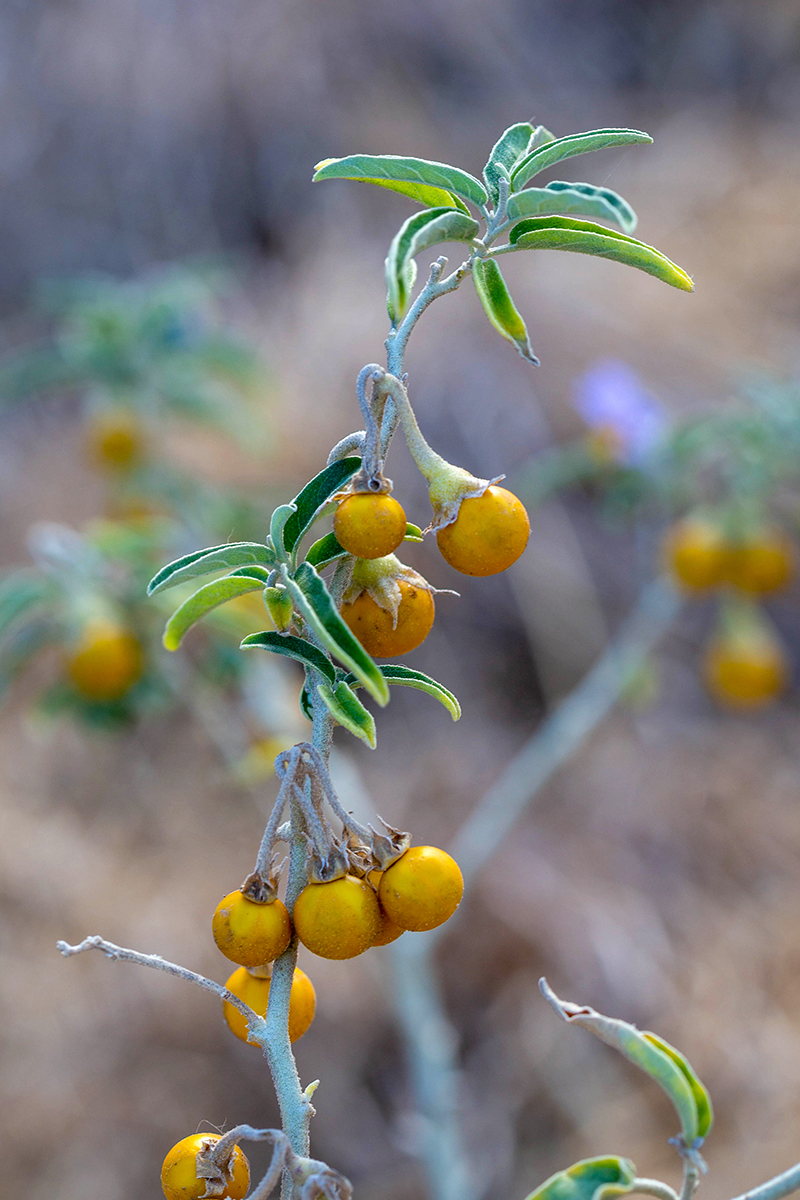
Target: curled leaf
{"points": [[584, 199], [405, 677], [347, 710], [418, 233], [386, 168], [210, 596], [589, 1179], [500, 308]]}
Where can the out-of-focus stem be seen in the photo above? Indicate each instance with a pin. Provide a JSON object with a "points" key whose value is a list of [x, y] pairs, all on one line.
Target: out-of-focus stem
{"points": [[775, 1189]]}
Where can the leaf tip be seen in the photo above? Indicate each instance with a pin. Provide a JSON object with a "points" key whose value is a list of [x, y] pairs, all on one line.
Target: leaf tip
{"points": [[170, 641]]}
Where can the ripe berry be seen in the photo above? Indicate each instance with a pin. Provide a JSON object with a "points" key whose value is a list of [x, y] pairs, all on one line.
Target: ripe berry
{"points": [[372, 625], [422, 889], [387, 930], [762, 563], [179, 1174], [746, 671], [339, 919], [488, 535], [695, 553], [249, 933], [106, 661], [115, 441], [369, 526], [255, 991]]}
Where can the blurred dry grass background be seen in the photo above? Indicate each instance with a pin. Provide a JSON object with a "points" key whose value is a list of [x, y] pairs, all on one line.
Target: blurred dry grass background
{"points": [[657, 877]]}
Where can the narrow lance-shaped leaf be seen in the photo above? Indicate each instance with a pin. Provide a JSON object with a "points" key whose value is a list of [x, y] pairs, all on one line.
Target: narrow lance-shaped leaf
{"points": [[213, 558], [509, 149], [589, 1179], [568, 147], [391, 167], [428, 197], [315, 604], [405, 677], [418, 233], [705, 1111], [328, 549], [584, 237], [292, 647], [210, 596], [500, 308], [314, 496], [582, 198], [640, 1049], [346, 709], [277, 524]]}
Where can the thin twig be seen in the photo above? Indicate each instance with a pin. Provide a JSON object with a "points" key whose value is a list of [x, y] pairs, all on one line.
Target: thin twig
{"points": [[654, 1187], [777, 1188]]}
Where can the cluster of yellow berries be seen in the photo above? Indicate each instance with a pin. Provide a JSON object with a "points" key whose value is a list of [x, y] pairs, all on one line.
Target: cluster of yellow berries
{"points": [[487, 536], [744, 665], [337, 919]]}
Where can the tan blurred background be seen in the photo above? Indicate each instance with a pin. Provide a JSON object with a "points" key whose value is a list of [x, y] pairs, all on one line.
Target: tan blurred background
{"points": [[657, 876]]}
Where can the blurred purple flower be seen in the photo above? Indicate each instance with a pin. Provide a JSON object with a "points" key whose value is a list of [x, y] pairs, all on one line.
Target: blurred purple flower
{"points": [[613, 402]]}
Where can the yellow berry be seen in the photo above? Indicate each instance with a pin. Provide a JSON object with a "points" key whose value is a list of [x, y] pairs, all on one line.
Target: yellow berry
{"points": [[744, 672], [338, 919], [249, 933], [372, 625], [761, 564], [115, 440], [106, 661], [488, 535], [422, 889], [255, 991], [387, 930], [368, 525], [179, 1175], [695, 554]]}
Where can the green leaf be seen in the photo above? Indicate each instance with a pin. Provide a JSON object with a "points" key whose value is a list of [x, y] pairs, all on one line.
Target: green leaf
{"points": [[385, 169], [210, 596], [428, 197], [589, 1179], [214, 558], [567, 147], [705, 1111], [641, 1049], [425, 229], [583, 237], [277, 524], [346, 708], [405, 677], [327, 549], [500, 308], [315, 604], [582, 198], [509, 149], [314, 496], [292, 647]]}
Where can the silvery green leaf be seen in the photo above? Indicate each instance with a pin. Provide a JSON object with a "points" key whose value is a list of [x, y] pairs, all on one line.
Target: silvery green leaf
{"points": [[509, 149], [314, 496], [386, 168], [550, 153], [413, 533], [424, 194], [589, 1179], [405, 677], [583, 237], [314, 602], [210, 596], [666, 1067], [346, 709], [500, 308], [582, 198], [292, 647], [278, 522], [425, 229], [214, 558]]}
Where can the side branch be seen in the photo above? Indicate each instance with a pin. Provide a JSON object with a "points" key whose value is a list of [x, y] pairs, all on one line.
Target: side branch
{"points": [[775, 1189]]}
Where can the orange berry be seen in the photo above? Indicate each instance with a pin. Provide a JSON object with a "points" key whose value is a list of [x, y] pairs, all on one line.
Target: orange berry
{"points": [[422, 889], [372, 625], [115, 440], [179, 1174], [745, 671], [255, 991], [387, 930], [695, 553], [249, 933], [488, 535], [106, 661], [368, 525], [338, 919], [763, 563]]}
